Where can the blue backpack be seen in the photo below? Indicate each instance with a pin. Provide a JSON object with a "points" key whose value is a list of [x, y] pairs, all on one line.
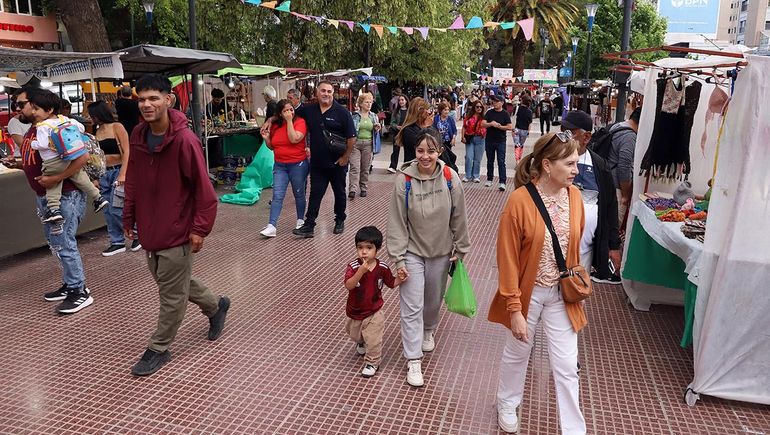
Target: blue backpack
{"points": [[408, 184]]}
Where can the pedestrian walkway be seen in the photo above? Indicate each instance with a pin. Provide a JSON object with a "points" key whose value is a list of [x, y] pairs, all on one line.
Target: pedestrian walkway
{"points": [[284, 364]]}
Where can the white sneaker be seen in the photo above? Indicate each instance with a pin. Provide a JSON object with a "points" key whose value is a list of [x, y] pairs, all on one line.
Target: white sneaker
{"points": [[269, 231], [476, 180], [428, 343], [501, 187], [414, 375], [391, 170], [465, 179], [488, 184], [368, 371], [300, 222], [507, 418], [361, 348]]}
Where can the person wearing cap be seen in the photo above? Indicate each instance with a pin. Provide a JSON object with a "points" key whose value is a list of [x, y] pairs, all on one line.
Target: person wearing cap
{"points": [[269, 93], [497, 122], [600, 243]]}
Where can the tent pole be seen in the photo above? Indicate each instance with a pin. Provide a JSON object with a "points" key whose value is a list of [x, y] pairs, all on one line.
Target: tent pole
{"points": [[93, 82], [196, 92]]}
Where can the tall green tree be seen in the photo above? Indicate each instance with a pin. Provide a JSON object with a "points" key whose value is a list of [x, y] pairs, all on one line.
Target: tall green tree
{"points": [[648, 29], [84, 23], [556, 16]]}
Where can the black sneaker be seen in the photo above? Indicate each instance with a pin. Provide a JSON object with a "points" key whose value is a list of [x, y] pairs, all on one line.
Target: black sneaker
{"points": [[217, 321], [52, 215], [100, 203], [75, 301], [352, 195], [304, 231], [57, 295], [339, 227], [113, 249], [150, 362], [135, 245], [362, 194], [612, 279]]}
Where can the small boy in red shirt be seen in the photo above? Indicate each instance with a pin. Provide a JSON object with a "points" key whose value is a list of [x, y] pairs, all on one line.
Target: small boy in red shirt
{"points": [[364, 278]]}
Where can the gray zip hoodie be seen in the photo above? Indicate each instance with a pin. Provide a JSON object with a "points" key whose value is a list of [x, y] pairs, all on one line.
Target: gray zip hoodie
{"points": [[435, 223]]}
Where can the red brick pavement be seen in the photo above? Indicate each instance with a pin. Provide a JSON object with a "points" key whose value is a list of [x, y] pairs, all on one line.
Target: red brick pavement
{"points": [[284, 364]]}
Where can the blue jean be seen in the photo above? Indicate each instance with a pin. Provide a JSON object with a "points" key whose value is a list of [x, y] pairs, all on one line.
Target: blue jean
{"points": [[499, 149], [61, 236], [283, 174], [473, 153], [113, 215], [520, 137]]}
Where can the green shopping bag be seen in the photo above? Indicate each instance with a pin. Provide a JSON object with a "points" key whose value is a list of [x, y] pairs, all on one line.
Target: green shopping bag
{"points": [[459, 297]]}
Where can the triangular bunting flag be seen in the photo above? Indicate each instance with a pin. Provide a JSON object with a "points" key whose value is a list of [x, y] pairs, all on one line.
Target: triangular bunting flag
{"points": [[350, 24], [393, 29], [254, 2], [474, 23], [527, 26], [438, 29], [407, 30], [335, 23], [491, 24], [284, 7], [367, 27], [424, 32], [378, 28], [319, 20], [507, 25], [269, 5], [458, 24]]}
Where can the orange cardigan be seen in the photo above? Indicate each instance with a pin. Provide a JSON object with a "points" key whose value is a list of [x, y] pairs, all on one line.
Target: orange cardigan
{"points": [[520, 238]]}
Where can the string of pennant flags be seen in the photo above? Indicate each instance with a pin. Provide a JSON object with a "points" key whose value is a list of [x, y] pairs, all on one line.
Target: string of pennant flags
{"points": [[526, 26]]}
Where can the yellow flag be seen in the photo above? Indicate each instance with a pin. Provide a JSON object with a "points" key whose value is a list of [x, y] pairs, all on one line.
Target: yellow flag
{"points": [[335, 23]]}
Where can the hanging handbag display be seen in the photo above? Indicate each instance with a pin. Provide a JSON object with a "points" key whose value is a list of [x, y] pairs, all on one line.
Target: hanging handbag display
{"points": [[574, 282]]}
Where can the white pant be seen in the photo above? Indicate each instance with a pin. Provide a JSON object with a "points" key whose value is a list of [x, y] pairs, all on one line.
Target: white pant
{"points": [[586, 260], [546, 304], [421, 296]]}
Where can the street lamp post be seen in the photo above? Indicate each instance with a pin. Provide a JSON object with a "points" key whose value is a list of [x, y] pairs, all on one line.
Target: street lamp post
{"points": [[544, 39], [149, 6], [575, 41], [591, 11]]}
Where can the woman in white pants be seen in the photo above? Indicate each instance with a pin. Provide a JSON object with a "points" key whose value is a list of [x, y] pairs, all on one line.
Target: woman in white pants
{"points": [[528, 283], [427, 230]]}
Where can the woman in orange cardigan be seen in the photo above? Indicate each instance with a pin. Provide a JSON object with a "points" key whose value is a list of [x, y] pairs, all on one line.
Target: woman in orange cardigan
{"points": [[528, 289]]}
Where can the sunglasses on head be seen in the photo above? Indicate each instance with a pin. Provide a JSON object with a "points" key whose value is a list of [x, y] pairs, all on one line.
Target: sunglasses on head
{"points": [[563, 136]]}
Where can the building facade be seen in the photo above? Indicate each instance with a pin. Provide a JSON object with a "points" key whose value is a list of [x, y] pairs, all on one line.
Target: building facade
{"points": [[22, 25], [745, 22]]}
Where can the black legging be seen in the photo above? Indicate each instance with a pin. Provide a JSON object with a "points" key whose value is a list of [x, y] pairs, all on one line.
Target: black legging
{"points": [[394, 155], [545, 119]]}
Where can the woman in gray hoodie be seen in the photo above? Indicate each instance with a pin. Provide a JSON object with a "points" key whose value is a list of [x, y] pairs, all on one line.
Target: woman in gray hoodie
{"points": [[427, 230]]}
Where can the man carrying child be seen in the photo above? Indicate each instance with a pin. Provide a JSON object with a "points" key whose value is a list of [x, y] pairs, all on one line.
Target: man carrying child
{"points": [[364, 279]]}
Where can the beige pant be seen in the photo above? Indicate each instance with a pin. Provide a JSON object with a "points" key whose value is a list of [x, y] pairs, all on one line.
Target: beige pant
{"points": [[360, 160], [172, 270], [368, 331], [80, 179]]}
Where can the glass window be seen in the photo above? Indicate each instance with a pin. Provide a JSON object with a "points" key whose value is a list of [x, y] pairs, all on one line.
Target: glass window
{"points": [[744, 5], [767, 25], [16, 6], [742, 26]]}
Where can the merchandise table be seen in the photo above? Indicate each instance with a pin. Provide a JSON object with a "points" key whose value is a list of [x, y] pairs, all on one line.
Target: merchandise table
{"points": [[661, 265]]}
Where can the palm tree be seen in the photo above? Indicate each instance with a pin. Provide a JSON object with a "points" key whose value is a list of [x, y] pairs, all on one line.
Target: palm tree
{"points": [[556, 16]]}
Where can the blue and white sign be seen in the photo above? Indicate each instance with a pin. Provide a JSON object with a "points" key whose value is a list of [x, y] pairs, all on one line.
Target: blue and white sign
{"points": [[690, 16]]}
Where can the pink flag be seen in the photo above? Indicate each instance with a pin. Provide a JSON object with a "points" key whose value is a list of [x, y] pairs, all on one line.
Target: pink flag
{"points": [[304, 17], [424, 32], [458, 24], [527, 26], [407, 30], [349, 24]]}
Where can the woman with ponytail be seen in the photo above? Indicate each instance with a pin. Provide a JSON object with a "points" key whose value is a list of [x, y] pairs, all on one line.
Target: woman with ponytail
{"points": [[528, 279]]}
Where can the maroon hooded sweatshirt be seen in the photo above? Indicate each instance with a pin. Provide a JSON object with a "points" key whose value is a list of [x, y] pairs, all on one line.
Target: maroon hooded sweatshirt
{"points": [[168, 192]]}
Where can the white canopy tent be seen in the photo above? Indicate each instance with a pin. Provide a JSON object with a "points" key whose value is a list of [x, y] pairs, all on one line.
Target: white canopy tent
{"points": [[732, 270]]}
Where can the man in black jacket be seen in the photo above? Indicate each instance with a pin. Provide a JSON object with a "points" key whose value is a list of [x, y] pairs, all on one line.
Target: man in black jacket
{"points": [[600, 245]]}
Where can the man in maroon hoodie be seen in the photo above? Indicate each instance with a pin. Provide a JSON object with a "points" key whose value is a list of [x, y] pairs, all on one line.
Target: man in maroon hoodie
{"points": [[170, 198]]}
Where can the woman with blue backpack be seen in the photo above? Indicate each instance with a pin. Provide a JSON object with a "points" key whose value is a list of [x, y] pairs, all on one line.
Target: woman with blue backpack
{"points": [[427, 231]]}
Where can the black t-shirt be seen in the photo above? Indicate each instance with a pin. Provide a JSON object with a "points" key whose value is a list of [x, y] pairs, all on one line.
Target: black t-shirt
{"points": [[495, 135], [336, 119], [523, 118], [271, 109], [545, 107], [128, 113], [214, 110]]}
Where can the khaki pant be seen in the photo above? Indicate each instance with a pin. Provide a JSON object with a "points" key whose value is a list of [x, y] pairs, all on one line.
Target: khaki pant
{"points": [[360, 160], [80, 179], [172, 270], [368, 331]]}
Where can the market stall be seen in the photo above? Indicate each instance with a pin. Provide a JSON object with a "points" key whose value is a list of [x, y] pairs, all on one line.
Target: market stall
{"points": [[721, 272]]}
